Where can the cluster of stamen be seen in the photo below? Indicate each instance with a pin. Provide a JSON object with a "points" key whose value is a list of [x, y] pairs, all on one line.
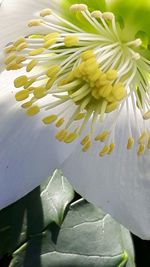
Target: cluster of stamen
{"points": [[86, 76]]}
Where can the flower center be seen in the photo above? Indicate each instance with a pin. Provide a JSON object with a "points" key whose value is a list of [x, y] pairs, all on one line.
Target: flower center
{"points": [[78, 78]]}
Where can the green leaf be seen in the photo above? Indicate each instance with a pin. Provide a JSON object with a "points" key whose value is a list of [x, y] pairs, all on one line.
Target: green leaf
{"points": [[31, 214], [87, 237], [55, 197]]}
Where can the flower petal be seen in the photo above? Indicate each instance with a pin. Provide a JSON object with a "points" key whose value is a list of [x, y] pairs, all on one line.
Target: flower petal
{"points": [[14, 15], [118, 183], [29, 152]]}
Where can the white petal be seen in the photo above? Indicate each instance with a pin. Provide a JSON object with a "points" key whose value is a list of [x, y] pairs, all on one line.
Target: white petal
{"points": [[14, 15], [118, 183], [28, 150]]}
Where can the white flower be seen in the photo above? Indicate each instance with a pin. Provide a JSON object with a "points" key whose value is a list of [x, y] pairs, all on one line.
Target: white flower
{"points": [[89, 88]]}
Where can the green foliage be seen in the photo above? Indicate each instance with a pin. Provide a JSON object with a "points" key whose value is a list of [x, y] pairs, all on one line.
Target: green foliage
{"points": [[43, 231], [31, 214]]}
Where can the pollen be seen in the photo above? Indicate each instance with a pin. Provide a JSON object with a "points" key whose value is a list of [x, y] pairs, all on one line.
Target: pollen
{"points": [[31, 65], [50, 119], [78, 7], [71, 40], [34, 22], [36, 52], [53, 71], [60, 122], [82, 78], [104, 151], [130, 143], [102, 136], [39, 92], [22, 95], [33, 111], [146, 115], [45, 12], [20, 81]]}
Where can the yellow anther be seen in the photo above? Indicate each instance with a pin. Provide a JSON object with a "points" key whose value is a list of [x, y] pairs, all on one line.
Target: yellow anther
{"points": [[141, 149], [60, 122], [111, 75], [143, 137], [135, 55], [50, 36], [36, 52], [19, 41], [20, 59], [39, 92], [22, 95], [49, 119], [50, 42], [92, 61], [9, 49], [27, 104], [90, 68], [104, 151], [79, 71], [53, 71], [105, 90], [102, 80], [78, 7], [96, 14], [87, 146], [29, 82], [21, 47], [61, 135], [119, 91], [45, 12], [130, 143], [33, 111], [79, 116], [69, 78], [87, 54], [35, 22], [50, 83], [108, 15], [95, 76], [31, 88], [31, 65], [146, 116], [95, 93], [9, 59], [111, 148], [20, 81], [110, 98], [111, 106], [148, 143], [70, 137], [71, 40], [85, 140], [102, 136], [14, 66]]}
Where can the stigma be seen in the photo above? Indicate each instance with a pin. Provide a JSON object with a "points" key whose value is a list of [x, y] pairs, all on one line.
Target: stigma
{"points": [[79, 77]]}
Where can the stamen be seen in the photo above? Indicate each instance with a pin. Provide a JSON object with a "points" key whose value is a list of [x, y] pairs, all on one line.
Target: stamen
{"points": [[87, 76], [108, 15], [35, 22], [78, 7], [45, 12], [33, 111], [49, 119]]}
